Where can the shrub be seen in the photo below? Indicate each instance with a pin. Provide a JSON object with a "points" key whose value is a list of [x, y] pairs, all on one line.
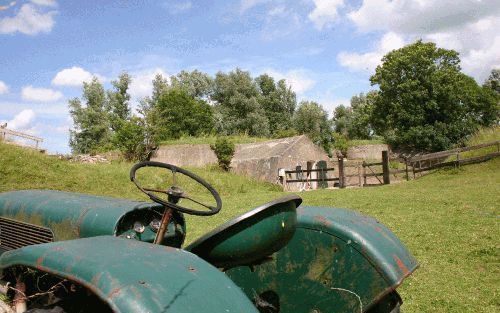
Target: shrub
{"points": [[340, 143], [224, 150]]}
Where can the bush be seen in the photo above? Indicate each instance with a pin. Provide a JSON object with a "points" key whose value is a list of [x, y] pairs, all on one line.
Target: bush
{"points": [[340, 143], [224, 150]]}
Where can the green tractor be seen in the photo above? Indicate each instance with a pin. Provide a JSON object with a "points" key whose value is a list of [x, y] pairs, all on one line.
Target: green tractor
{"points": [[70, 252]]}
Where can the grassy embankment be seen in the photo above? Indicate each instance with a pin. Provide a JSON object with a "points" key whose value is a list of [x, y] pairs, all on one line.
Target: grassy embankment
{"points": [[449, 220]]}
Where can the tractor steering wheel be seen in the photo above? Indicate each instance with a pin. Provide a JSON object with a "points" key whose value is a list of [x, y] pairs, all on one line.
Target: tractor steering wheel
{"points": [[175, 193]]}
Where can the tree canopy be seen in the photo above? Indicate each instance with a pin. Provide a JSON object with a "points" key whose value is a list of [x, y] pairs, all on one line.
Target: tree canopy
{"points": [[425, 102]]}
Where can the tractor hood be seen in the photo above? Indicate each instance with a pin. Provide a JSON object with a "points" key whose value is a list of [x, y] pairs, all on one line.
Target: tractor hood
{"points": [[136, 277], [69, 215]]}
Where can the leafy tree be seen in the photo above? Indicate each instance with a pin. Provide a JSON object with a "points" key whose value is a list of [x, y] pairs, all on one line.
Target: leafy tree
{"points": [[493, 81], [278, 101], [362, 107], [130, 139], [224, 150], [312, 119], [148, 108], [118, 101], [179, 114], [238, 110], [425, 102], [197, 84], [342, 119], [91, 132]]}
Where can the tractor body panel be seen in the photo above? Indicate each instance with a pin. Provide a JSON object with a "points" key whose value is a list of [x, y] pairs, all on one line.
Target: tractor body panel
{"points": [[132, 276], [337, 261], [74, 215]]}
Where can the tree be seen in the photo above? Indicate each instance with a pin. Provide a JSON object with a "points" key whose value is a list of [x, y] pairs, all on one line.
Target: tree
{"points": [[197, 84], [493, 81], [342, 119], [179, 114], [425, 102], [238, 110], [148, 108], [362, 108], [278, 101], [118, 101], [130, 139], [91, 132], [312, 119]]}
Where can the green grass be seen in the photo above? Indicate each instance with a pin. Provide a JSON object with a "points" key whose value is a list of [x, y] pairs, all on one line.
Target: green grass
{"points": [[449, 220], [211, 140]]}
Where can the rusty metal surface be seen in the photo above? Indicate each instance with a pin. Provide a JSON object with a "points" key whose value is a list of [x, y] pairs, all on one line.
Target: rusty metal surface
{"points": [[337, 261], [135, 277]]}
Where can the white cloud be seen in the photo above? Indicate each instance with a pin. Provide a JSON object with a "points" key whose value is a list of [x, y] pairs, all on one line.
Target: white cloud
{"points": [[467, 26], [422, 16], [29, 20], [74, 76], [30, 93], [325, 12], [47, 3], [369, 60], [300, 80], [142, 82], [22, 121], [3, 88]]}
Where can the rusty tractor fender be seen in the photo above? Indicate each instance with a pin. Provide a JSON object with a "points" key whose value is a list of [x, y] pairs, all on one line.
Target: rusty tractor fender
{"points": [[337, 261], [134, 277]]}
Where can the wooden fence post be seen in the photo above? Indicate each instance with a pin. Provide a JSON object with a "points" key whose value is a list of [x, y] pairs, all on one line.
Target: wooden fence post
{"points": [[406, 169], [360, 175], [341, 172], [385, 167]]}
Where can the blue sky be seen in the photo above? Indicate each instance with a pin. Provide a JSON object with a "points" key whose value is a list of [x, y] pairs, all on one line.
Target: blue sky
{"points": [[326, 49]]}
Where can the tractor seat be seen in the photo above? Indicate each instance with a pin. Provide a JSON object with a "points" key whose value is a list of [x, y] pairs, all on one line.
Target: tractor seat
{"points": [[251, 237]]}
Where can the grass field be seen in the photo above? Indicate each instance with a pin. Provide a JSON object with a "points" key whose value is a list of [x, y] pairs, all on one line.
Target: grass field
{"points": [[449, 220]]}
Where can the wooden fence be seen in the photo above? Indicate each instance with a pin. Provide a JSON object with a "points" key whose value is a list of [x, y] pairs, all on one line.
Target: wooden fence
{"points": [[382, 172], [4, 132], [453, 158]]}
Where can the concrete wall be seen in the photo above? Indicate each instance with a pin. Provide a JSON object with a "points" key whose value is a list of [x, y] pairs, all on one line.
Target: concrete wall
{"points": [[186, 155], [367, 152], [257, 160]]}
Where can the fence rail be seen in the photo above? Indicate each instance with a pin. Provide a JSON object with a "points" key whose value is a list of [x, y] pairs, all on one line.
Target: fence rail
{"points": [[432, 161], [4, 132]]}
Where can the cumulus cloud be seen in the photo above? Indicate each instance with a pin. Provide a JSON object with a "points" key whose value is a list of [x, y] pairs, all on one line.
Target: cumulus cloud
{"points": [[29, 20], [421, 17], [74, 76], [467, 26], [22, 121], [299, 80], [369, 60], [3, 88], [325, 12], [142, 82], [31, 93]]}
